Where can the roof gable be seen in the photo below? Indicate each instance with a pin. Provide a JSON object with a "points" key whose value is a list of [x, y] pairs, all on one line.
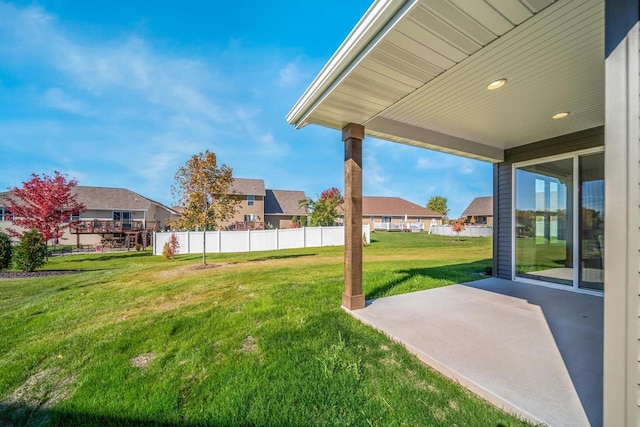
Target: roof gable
{"points": [[284, 202], [480, 206], [248, 187], [393, 206]]}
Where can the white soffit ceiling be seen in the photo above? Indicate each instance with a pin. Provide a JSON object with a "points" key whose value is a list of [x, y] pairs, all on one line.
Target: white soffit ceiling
{"points": [[426, 79]]}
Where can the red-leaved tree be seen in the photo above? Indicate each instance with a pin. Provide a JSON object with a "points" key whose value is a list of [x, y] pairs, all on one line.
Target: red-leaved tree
{"points": [[44, 203], [324, 210], [458, 225]]}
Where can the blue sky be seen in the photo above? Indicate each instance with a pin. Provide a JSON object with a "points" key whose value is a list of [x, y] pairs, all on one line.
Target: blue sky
{"points": [[121, 94]]}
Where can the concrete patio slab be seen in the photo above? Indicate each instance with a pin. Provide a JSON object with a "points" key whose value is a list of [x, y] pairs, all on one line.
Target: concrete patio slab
{"points": [[531, 350]]}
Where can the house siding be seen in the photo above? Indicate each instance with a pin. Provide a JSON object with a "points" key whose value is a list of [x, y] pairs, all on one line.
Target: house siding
{"points": [[243, 209], [622, 221], [502, 232], [637, 240], [503, 197]]}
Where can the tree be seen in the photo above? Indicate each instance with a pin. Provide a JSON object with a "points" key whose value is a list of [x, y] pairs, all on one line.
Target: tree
{"points": [[438, 204], [30, 252], [457, 226], [203, 190], [5, 251], [44, 203], [324, 210]]}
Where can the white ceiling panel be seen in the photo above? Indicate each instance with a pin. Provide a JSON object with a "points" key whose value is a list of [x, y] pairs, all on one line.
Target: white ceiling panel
{"points": [[430, 69]]}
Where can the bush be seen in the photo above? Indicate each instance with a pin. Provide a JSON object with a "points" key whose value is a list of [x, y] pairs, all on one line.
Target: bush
{"points": [[5, 251], [30, 252], [171, 248]]}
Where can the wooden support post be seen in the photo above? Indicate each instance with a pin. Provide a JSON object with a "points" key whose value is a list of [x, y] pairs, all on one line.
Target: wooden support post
{"points": [[353, 298]]}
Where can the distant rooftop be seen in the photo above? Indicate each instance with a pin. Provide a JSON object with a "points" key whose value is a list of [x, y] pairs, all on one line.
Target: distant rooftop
{"points": [[480, 206], [284, 202], [248, 187]]}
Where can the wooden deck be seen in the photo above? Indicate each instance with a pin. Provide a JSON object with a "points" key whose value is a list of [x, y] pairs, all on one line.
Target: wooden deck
{"points": [[97, 226]]}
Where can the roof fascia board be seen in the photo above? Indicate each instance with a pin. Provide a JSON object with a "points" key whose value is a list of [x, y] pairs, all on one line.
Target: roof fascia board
{"points": [[402, 132], [379, 19]]}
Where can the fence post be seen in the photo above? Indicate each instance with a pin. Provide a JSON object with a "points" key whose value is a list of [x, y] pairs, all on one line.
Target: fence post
{"points": [[304, 237], [248, 240], [277, 238], [321, 240], [188, 242]]}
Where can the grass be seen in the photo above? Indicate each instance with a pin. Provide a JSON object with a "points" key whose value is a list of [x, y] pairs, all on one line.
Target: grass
{"points": [[258, 340], [534, 255]]}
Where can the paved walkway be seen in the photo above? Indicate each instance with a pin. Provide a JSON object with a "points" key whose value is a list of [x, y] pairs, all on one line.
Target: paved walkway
{"points": [[529, 349]]}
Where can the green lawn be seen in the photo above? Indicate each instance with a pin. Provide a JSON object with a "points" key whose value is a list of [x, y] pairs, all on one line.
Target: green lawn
{"points": [[259, 340]]}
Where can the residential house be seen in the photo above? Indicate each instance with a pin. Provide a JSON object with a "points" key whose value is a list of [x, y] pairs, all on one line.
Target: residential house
{"points": [[281, 206], [116, 215], [380, 212], [479, 211], [250, 210], [546, 91]]}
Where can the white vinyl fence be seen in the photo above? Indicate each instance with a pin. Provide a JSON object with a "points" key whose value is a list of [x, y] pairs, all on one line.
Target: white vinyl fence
{"points": [[255, 240], [398, 226], [469, 231]]}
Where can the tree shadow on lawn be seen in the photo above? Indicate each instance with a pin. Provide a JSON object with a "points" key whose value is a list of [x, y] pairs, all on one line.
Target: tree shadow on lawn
{"points": [[272, 257], [452, 273], [108, 256], [43, 415]]}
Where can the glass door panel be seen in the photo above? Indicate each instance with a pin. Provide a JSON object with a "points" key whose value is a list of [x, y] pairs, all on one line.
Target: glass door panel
{"points": [[592, 222], [544, 222]]}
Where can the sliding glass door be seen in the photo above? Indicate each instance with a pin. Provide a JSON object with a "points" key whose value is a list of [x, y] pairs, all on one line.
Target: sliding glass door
{"points": [[559, 221], [592, 222]]}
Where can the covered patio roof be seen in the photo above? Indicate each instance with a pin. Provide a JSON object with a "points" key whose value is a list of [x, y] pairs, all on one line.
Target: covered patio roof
{"points": [[416, 72]]}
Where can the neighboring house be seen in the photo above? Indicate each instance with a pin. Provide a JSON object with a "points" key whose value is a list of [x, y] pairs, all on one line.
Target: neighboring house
{"points": [[281, 206], [259, 206], [522, 85], [250, 210], [377, 211], [479, 211], [114, 214]]}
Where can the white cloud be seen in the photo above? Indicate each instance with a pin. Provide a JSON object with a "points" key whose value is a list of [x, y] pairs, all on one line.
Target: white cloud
{"points": [[289, 75], [56, 98]]}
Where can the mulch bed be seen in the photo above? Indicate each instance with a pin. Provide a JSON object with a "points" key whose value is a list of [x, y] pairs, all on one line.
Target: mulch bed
{"points": [[32, 274]]}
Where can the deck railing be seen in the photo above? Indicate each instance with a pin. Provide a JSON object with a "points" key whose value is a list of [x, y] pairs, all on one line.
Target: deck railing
{"points": [[98, 226], [398, 226], [248, 225]]}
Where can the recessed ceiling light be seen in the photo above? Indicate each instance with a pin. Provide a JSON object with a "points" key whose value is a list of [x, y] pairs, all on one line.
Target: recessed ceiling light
{"points": [[496, 84], [560, 115]]}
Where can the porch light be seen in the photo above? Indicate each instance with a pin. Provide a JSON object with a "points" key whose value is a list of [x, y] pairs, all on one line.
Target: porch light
{"points": [[560, 115], [496, 84]]}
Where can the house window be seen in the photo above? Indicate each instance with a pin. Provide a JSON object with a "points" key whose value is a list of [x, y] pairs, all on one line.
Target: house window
{"points": [[372, 219], [251, 200], [386, 219], [5, 215], [419, 219], [559, 220], [250, 218], [122, 216]]}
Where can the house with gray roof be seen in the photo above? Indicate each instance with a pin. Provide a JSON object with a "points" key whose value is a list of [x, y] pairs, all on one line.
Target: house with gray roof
{"points": [[479, 211], [282, 205], [380, 211], [113, 214], [250, 210]]}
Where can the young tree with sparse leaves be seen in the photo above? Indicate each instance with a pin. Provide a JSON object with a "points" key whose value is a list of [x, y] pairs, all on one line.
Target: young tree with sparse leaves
{"points": [[457, 225], [44, 203], [203, 190], [324, 210]]}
